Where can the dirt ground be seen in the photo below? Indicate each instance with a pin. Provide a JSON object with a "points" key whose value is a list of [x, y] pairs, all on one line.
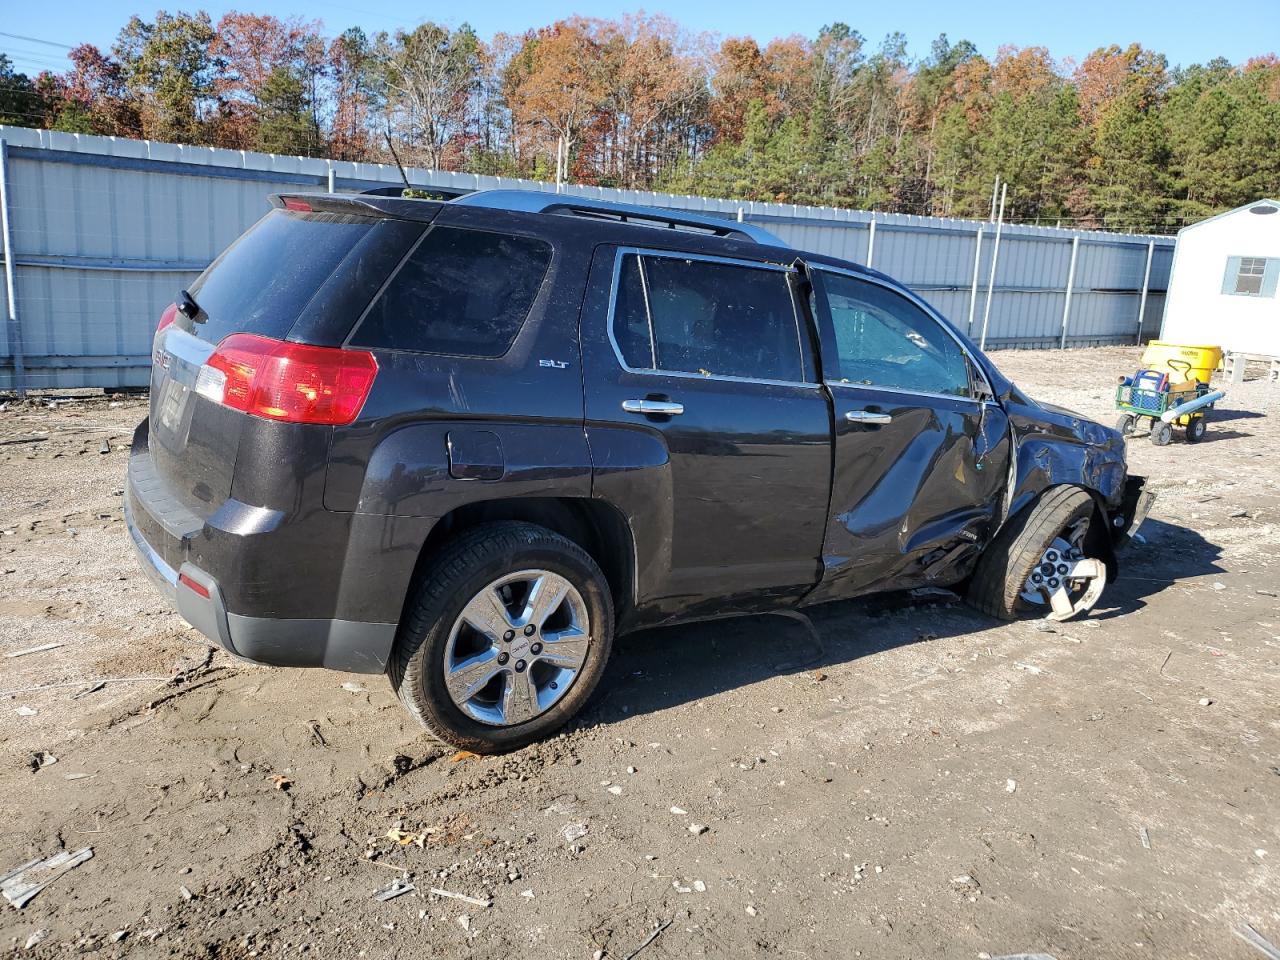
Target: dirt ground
{"points": [[935, 785]]}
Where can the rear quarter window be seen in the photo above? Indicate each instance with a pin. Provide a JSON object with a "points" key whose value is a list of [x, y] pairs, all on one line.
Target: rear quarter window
{"points": [[459, 292]]}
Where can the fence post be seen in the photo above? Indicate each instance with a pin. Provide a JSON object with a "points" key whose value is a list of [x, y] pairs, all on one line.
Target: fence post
{"points": [[871, 242], [331, 178], [1071, 283], [991, 282], [973, 287], [15, 330], [1146, 281]]}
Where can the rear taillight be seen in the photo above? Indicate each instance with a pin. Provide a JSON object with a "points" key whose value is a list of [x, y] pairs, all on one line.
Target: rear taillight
{"points": [[170, 314], [293, 203], [295, 382]]}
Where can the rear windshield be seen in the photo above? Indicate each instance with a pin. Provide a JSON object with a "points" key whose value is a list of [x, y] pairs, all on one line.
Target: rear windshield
{"points": [[263, 281]]}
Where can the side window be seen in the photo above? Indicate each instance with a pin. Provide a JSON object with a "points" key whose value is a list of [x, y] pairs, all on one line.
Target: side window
{"points": [[705, 317], [885, 340], [461, 292], [1251, 276]]}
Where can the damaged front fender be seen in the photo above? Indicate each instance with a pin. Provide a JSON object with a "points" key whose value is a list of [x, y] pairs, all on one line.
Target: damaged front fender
{"points": [[1054, 446]]}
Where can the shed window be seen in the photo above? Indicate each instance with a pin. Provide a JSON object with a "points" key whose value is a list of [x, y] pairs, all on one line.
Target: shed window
{"points": [[1251, 276]]}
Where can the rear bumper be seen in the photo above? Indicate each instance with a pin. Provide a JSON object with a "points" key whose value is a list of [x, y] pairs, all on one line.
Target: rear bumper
{"points": [[356, 646]]}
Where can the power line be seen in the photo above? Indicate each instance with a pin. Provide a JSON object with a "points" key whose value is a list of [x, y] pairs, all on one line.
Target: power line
{"points": [[47, 43]]}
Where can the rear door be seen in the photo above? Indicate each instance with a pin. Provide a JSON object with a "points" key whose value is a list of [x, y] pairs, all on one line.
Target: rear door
{"points": [[703, 413], [921, 447]]}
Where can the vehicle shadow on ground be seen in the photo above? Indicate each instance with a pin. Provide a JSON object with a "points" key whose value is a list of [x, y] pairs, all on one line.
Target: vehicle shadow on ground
{"points": [[657, 669], [1218, 414]]}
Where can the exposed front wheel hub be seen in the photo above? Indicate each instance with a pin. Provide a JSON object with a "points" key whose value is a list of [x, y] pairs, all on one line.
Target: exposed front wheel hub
{"points": [[1065, 580]]}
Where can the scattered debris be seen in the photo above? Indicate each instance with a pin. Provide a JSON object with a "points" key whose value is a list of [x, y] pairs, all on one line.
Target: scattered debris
{"points": [[474, 901], [616, 790], [40, 649], [464, 755], [679, 811], [26, 711], [119, 935], [398, 888], [88, 690], [1206, 702], [186, 893], [574, 831], [1010, 786], [1144, 837], [751, 911], [464, 921], [352, 687], [1026, 956], [1257, 941], [41, 759], [697, 829], [648, 940], [408, 838], [281, 782], [38, 936], [22, 883], [562, 805], [1030, 668], [79, 683]]}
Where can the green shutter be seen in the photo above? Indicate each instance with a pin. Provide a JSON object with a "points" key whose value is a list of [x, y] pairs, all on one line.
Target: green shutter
{"points": [[1270, 275], [1233, 271]]}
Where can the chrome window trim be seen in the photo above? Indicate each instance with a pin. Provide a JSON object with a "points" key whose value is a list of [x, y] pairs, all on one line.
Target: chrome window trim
{"points": [[643, 252], [930, 312], [900, 391]]}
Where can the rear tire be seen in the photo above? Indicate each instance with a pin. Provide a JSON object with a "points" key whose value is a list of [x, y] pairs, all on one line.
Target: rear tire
{"points": [[428, 638], [1125, 424], [1009, 560], [1161, 433], [1195, 429]]}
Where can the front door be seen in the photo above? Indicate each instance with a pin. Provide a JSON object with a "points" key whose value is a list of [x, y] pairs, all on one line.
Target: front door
{"points": [[921, 448], [707, 424]]}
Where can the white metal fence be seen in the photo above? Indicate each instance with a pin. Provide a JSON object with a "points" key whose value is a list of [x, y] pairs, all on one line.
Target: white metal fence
{"points": [[99, 233]]}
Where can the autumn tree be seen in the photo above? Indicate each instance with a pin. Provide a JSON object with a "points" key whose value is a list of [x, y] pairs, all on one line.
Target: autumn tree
{"points": [[169, 70], [353, 72], [20, 103], [430, 74], [556, 83], [267, 82], [1122, 140]]}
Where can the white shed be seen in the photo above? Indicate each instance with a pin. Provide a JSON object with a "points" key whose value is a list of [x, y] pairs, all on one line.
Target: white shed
{"points": [[1223, 285]]}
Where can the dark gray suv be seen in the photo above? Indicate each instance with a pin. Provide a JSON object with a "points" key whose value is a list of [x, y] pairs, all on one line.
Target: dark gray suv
{"points": [[466, 443]]}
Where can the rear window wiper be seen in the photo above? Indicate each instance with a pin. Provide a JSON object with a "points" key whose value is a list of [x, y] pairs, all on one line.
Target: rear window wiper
{"points": [[188, 307]]}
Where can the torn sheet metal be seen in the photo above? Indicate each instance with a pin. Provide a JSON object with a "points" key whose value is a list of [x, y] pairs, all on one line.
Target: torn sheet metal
{"points": [[22, 883]]}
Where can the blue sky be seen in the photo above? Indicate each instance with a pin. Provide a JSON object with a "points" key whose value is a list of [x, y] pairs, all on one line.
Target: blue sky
{"points": [[1186, 32]]}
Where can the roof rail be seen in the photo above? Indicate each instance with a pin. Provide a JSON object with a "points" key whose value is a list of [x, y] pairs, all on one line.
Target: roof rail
{"points": [[537, 201]]}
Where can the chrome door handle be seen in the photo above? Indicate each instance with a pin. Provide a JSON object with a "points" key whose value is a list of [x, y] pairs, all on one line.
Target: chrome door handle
{"points": [[868, 416], [650, 407]]}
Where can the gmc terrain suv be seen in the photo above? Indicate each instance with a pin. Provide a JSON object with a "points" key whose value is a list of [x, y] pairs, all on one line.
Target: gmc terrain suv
{"points": [[465, 443]]}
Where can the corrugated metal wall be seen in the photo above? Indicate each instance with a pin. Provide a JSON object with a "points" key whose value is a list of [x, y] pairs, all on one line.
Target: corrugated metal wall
{"points": [[105, 231]]}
